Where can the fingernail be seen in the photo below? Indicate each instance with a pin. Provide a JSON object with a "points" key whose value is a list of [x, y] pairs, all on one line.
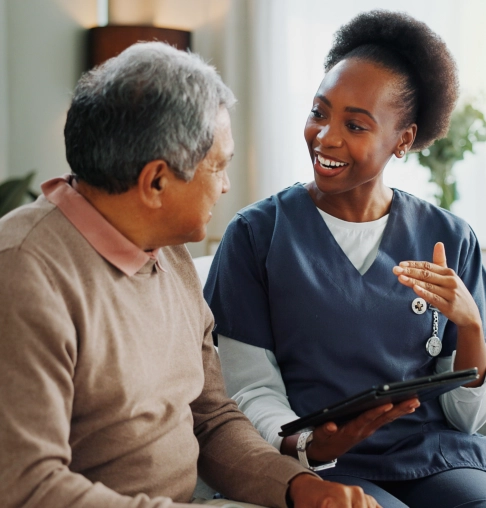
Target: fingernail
{"points": [[404, 263], [398, 269], [403, 277]]}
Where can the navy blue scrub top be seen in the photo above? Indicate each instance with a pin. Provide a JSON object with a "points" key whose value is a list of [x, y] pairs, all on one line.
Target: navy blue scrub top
{"points": [[281, 282]]}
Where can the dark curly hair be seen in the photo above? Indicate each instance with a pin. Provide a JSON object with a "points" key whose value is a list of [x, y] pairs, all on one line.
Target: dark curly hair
{"points": [[429, 86]]}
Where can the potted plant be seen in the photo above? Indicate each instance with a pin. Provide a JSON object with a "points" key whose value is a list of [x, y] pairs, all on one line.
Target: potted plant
{"points": [[15, 192], [468, 126]]}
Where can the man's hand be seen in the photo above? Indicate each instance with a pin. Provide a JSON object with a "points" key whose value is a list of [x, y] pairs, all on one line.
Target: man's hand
{"points": [[330, 441], [308, 491]]}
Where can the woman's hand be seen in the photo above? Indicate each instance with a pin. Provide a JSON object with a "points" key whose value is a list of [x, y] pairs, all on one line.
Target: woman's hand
{"points": [[442, 288], [308, 491], [330, 441]]}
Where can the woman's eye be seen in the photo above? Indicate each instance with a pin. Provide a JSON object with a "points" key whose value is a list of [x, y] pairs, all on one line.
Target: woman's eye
{"points": [[354, 127], [316, 114]]}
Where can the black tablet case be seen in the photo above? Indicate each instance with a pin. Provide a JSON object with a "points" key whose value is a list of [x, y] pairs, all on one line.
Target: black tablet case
{"points": [[424, 388]]}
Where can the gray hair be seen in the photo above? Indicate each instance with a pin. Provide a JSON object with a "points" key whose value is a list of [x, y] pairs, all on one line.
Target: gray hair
{"points": [[150, 102]]}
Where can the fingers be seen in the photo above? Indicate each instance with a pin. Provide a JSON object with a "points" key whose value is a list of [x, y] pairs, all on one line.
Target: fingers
{"points": [[438, 285], [353, 431], [370, 421], [371, 502], [359, 499], [331, 441], [329, 428], [307, 491], [370, 416], [431, 296], [344, 496], [398, 410], [423, 272], [439, 256], [438, 259], [435, 295], [426, 274]]}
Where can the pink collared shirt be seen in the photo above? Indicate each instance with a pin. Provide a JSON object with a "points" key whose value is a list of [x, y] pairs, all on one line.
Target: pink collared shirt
{"points": [[100, 234]]}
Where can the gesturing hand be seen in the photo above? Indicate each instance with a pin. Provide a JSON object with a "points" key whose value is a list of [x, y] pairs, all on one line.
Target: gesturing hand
{"points": [[330, 441], [308, 491], [441, 287]]}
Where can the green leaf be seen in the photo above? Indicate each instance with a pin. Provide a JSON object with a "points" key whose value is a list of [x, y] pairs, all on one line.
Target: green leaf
{"points": [[468, 127], [13, 192]]}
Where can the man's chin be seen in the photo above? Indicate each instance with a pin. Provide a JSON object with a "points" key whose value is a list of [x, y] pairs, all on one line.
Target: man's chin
{"points": [[198, 235]]}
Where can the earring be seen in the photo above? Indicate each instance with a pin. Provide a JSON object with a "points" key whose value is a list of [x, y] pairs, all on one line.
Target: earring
{"points": [[401, 153]]}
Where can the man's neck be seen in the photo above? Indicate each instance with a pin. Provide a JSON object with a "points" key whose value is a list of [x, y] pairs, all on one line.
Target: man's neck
{"points": [[122, 211]]}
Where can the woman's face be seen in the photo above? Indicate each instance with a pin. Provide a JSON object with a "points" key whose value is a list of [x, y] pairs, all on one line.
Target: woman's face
{"points": [[351, 131]]}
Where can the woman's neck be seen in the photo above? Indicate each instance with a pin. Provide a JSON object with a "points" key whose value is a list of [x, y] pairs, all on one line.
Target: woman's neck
{"points": [[357, 205]]}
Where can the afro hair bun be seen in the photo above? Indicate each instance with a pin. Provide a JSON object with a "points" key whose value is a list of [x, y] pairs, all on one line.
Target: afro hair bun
{"points": [[424, 53]]}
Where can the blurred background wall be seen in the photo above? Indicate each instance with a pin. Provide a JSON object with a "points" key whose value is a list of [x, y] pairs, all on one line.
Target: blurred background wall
{"points": [[270, 52]]}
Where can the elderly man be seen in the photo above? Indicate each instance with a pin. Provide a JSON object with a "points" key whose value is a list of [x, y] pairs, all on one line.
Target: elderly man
{"points": [[110, 387]]}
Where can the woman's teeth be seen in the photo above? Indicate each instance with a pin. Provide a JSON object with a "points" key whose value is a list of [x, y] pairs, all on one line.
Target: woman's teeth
{"points": [[329, 163]]}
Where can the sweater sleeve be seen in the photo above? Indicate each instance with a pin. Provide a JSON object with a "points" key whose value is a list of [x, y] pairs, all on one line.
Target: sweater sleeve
{"points": [[233, 455], [38, 353]]}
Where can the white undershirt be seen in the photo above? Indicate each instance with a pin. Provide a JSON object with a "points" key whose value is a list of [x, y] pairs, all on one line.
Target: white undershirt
{"points": [[253, 378], [358, 240]]}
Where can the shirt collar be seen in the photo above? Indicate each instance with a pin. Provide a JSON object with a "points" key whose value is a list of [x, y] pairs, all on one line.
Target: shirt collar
{"points": [[100, 234]]}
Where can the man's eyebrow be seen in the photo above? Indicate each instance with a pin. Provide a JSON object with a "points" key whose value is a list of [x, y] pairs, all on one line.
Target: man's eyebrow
{"points": [[349, 109], [226, 161]]}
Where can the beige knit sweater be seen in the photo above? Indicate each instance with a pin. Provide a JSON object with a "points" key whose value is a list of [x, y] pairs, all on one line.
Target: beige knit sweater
{"points": [[110, 388]]}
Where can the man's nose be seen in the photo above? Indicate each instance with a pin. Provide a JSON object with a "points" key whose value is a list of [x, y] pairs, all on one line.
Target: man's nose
{"points": [[226, 183]]}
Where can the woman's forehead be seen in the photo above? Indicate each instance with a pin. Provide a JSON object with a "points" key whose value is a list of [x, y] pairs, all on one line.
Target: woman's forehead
{"points": [[359, 81]]}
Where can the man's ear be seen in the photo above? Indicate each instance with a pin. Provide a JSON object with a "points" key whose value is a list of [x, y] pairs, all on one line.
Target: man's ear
{"points": [[152, 181]]}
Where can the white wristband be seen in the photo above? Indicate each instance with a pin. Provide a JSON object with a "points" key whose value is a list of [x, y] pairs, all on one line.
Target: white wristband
{"points": [[302, 443]]}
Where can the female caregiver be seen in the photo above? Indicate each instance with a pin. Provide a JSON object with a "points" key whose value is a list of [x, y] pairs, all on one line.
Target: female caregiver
{"points": [[325, 289]]}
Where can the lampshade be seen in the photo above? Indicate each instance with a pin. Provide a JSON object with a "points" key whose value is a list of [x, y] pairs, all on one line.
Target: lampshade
{"points": [[108, 41]]}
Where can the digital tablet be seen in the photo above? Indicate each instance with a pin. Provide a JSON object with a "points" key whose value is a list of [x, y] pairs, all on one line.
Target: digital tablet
{"points": [[423, 388]]}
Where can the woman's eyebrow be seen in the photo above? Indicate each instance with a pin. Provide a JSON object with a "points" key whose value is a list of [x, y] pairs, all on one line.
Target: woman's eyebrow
{"points": [[349, 109], [324, 99]]}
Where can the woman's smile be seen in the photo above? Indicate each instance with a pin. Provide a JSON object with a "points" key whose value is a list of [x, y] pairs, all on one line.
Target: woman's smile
{"points": [[328, 166]]}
